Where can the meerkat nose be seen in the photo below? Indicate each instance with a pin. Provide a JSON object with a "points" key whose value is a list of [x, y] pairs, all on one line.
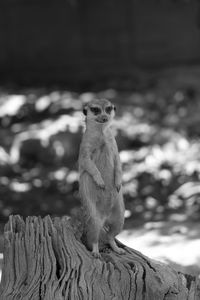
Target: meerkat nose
{"points": [[104, 118]]}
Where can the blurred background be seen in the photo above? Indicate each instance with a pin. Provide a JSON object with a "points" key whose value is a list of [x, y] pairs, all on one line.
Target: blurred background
{"points": [[143, 55]]}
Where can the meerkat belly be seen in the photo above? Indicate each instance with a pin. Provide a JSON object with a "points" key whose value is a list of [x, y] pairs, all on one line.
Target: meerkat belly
{"points": [[104, 160], [94, 197]]}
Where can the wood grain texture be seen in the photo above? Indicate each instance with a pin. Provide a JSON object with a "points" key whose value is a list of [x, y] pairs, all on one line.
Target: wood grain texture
{"points": [[45, 259]]}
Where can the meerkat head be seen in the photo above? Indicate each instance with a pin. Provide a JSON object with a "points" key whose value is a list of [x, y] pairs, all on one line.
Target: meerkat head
{"points": [[100, 112]]}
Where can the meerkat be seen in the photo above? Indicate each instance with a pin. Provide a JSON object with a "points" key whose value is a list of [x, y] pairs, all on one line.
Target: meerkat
{"points": [[100, 181]]}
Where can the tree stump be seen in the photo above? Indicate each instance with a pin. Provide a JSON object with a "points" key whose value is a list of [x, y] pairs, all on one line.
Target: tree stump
{"points": [[45, 259]]}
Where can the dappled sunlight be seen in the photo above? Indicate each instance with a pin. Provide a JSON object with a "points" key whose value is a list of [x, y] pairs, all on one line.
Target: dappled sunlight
{"points": [[157, 132], [160, 161], [11, 104], [132, 128], [57, 100], [20, 187], [72, 177], [59, 174], [43, 132], [4, 156], [173, 167], [179, 154]]}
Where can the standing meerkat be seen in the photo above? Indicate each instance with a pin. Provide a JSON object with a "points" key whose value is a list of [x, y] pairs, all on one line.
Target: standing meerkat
{"points": [[100, 177]]}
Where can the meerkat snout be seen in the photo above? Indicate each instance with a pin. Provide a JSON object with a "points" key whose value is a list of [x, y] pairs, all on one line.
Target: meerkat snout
{"points": [[102, 119]]}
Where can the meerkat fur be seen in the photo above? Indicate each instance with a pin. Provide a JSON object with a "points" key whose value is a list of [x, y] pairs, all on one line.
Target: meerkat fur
{"points": [[100, 177]]}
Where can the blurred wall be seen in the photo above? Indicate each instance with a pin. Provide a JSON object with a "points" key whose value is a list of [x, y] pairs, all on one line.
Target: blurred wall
{"points": [[73, 40]]}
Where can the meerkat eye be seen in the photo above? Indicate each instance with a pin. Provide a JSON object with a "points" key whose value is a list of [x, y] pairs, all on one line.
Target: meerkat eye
{"points": [[108, 109], [95, 110]]}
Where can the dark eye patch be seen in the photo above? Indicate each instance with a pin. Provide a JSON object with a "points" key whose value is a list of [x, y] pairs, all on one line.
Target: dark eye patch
{"points": [[108, 109], [95, 110]]}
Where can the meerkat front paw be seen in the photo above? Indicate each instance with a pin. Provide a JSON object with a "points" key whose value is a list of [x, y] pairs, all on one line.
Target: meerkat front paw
{"points": [[118, 184], [118, 187], [99, 181]]}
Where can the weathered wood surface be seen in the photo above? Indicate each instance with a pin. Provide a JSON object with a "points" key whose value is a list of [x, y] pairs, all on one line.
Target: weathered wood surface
{"points": [[44, 259]]}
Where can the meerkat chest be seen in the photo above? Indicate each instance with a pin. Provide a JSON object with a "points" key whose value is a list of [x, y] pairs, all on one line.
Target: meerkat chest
{"points": [[103, 152]]}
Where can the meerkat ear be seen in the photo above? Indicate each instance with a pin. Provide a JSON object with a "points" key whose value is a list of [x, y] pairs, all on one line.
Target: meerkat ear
{"points": [[114, 107], [85, 110]]}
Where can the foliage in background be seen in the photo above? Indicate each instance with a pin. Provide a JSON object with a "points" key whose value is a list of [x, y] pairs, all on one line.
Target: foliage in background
{"points": [[157, 128]]}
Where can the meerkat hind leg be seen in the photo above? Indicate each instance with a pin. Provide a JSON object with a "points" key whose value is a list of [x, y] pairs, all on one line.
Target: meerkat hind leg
{"points": [[114, 246], [93, 230], [95, 250], [114, 228]]}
